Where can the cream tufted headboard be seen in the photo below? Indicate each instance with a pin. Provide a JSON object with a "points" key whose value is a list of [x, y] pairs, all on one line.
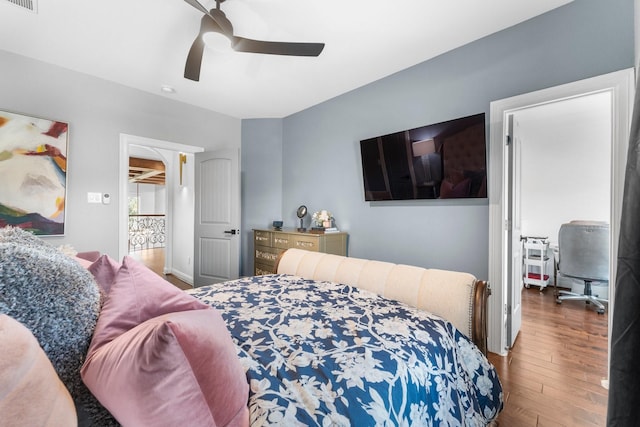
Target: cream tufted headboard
{"points": [[457, 297]]}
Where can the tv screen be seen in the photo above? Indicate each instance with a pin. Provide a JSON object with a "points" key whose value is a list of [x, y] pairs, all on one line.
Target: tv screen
{"points": [[440, 161]]}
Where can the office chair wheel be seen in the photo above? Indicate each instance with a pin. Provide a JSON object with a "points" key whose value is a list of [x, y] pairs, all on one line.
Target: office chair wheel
{"points": [[558, 301], [601, 311]]}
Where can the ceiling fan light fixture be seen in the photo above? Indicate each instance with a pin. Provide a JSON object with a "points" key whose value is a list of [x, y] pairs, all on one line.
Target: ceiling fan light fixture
{"points": [[217, 41], [215, 21]]}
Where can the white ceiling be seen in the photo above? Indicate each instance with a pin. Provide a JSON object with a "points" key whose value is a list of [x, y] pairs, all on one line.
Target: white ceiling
{"points": [[144, 43]]}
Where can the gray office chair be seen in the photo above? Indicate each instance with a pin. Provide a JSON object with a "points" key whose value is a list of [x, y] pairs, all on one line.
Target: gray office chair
{"points": [[584, 254]]}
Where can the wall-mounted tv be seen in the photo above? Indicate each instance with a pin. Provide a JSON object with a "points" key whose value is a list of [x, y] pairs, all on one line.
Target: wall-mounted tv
{"points": [[440, 161]]}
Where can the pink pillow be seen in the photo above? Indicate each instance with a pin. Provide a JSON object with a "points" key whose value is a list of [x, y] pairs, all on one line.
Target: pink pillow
{"points": [[83, 262], [31, 393], [136, 295], [89, 255], [104, 270], [170, 370]]}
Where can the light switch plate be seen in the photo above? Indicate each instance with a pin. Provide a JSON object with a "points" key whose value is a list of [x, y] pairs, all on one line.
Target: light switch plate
{"points": [[94, 197]]}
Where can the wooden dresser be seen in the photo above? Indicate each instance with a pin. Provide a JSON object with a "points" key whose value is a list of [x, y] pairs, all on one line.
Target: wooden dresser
{"points": [[268, 244]]}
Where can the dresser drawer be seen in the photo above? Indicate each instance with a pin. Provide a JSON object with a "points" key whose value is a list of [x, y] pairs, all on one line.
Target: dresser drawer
{"points": [[282, 240], [266, 255], [262, 238], [262, 269], [309, 243]]}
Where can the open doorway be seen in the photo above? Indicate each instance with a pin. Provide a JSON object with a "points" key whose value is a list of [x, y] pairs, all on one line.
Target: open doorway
{"points": [[147, 209], [560, 172], [620, 85], [178, 201]]}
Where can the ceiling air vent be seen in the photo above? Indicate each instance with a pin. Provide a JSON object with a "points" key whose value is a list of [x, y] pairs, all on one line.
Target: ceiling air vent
{"points": [[31, 5]]}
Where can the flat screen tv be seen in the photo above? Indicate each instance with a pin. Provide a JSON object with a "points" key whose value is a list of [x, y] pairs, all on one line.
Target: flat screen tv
{"points": [[439, 161]]}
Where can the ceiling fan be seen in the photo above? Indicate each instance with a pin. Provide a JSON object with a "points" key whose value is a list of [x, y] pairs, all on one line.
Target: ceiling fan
{"points": [[215, 20]]}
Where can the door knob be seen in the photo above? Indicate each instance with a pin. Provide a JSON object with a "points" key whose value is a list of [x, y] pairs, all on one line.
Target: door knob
{"points": [[234, 231]]}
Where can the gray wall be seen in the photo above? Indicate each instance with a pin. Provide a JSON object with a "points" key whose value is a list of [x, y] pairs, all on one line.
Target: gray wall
{"points": [[97, 111], [261, 181], [321, 158]]}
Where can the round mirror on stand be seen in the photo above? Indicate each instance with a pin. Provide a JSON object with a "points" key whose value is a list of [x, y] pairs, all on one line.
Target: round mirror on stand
{"points": [[301, 212]]}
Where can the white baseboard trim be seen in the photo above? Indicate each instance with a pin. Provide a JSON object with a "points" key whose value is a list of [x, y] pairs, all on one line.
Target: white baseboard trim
{"points": [[182, 276]]}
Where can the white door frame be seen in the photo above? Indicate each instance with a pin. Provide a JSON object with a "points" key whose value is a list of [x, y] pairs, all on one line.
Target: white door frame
{"points": [[621, 84], [123, 220]]}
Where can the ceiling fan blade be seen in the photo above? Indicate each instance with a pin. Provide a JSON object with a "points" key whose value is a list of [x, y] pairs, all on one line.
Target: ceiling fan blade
{"points": [[241, 44], [194, 60], [198, 6]]}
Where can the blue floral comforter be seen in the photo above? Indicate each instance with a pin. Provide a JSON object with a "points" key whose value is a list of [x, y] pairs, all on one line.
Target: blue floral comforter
{"points": [[325, 354]]}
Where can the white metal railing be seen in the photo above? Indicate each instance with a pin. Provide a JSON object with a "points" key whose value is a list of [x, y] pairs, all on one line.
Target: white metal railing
{"points": [[146, 232]]}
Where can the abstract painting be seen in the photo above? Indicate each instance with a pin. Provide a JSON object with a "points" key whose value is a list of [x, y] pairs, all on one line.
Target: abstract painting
{"points": [[33, 173]]}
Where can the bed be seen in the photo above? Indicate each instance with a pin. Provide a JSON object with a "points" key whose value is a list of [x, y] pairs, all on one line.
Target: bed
{"points": [[328, 340], [318, 352]]}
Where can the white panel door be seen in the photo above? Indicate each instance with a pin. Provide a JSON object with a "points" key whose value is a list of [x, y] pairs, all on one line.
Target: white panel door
{"points": [[514, 310], [217, 217]]}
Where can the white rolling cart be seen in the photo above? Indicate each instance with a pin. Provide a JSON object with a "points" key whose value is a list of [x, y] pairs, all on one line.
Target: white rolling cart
{"points": [[536, 269]]}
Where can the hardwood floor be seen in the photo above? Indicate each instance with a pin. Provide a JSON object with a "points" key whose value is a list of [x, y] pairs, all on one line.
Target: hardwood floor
{"points": [[552, 376], [154, 259]]}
